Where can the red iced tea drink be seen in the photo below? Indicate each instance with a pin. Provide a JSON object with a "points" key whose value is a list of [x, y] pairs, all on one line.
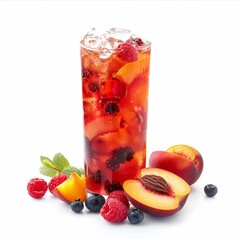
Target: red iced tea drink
{"points": [[115, 71]]}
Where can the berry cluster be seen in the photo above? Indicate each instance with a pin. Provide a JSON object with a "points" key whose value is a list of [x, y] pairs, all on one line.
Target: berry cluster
{"points": [[114, 209], [37, 187], [120, 155]]}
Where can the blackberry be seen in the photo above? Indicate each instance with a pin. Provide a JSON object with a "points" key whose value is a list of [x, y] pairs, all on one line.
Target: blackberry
{"points": [[93, 87], [95, 202], [86, 73], [110, 187], [135, 216], [210, 190], [112, 108], [98, 176], [87, 147], [77, 206], [123, 154], [113, 164]]}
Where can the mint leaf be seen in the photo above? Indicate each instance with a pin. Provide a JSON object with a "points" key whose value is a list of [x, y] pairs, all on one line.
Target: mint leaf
{"points": [[44, 157], [46, 171], [47, 163], [68, 170], [60, 162]]}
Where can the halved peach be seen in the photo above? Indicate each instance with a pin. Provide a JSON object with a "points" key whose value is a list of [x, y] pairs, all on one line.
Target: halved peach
{"points": [[72, 189], [102, 125], [183, 160], [157, 192]]}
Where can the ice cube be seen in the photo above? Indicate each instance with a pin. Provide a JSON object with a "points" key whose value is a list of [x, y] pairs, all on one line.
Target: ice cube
{"points": [[119, 33], [92, 39], [113, 42], [105, 53]]}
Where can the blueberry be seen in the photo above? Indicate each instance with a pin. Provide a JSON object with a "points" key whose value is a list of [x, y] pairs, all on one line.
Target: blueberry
{"points": [[95, 202], [77, 206], [135, 216], [210, 190]]}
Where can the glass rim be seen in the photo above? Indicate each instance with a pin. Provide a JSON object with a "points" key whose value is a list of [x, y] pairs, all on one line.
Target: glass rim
{"points": [[146, 46]]}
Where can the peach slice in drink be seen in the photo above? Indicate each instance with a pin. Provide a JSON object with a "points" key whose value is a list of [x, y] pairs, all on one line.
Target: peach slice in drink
{"points": [[107, 142], [102, 125], [131, 70], [92, 109]]}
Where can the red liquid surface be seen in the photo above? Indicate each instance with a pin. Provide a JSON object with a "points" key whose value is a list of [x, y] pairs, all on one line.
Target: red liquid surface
{"points": [[115, 104]]}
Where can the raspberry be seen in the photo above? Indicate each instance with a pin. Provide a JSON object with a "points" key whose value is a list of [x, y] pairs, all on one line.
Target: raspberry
{"points": [[56, 180], [127, 52], [120, 195], [114, 211], [136, 41], [37, 187]]}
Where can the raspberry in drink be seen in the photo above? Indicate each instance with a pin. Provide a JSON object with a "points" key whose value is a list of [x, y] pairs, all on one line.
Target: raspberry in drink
{"points": [[115, 71]]}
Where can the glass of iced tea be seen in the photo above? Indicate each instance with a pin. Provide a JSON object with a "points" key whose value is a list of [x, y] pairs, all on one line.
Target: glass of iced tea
{"points": [[115, 72]]}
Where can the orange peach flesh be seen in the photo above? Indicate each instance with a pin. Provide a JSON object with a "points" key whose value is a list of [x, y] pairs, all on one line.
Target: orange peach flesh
{"points": [[189, 153], [104, 124], [72, 189], [153, 202]]}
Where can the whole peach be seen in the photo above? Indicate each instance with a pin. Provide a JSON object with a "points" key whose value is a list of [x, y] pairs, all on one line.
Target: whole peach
{"points": [[183, 160]]}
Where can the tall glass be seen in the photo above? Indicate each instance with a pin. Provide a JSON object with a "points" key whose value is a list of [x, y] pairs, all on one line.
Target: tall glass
{"points": [[115, 71]]}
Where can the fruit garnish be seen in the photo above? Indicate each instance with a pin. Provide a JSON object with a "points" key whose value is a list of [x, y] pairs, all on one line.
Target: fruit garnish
{"points": [[37, 187], [157, 192], [120, 195], [135, 216], [114, 211], [136, 41], [183, 160], [127, 52], [131, 70], [95, 202], [71, 189], [210, 190], [58, 165], [77, 206], [56, 180]]}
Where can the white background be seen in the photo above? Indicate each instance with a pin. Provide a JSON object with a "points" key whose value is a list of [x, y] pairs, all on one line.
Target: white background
{"points": [[194, 99]]}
